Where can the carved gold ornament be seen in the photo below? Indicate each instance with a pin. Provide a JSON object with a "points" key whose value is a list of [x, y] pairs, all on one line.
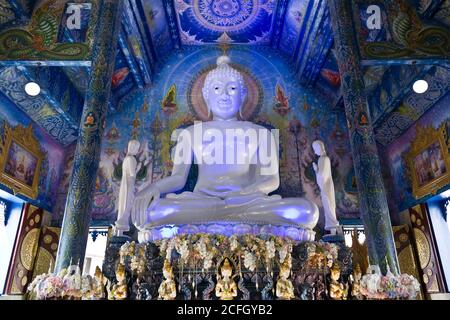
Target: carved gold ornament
{"points": [[48, 239], [43, 261], [24, 178], [423, 248], [429, 161], [29, 247]]}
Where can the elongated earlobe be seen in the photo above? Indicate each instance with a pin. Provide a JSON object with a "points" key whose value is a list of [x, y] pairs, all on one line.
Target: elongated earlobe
{"points": [[205, 98], [244, 96]]}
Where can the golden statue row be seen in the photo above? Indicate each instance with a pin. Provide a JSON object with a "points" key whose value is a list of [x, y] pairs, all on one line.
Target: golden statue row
{"points": [[226, 287]]}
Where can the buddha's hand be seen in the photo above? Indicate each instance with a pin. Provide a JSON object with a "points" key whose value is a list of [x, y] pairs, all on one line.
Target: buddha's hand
{"points": [[142, 202]]}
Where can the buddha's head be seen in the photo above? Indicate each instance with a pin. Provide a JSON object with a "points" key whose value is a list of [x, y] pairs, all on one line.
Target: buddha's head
{"points": [[167, 270], [224, 90], [120, 272], [98, 273], [226, 270], [285, 271], [335, 272], [319, 148], [133, 147]]}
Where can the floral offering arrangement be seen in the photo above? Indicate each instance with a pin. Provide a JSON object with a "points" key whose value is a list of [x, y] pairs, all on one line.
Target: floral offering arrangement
{"points": [[68, 284], [321, 255], [203, 251], [375, 286]]}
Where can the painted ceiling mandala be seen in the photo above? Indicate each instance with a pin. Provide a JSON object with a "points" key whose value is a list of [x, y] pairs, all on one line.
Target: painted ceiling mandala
{"points": [[226, 15], [239, 21]]}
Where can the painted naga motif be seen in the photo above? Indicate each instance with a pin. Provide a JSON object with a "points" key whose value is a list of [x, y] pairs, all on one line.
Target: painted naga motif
{"points": [[408, 35], [39, 40]]}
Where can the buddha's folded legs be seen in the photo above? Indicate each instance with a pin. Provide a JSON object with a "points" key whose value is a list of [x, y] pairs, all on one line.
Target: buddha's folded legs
{"points": [[296, 211], [182, 210], [187, 209]]}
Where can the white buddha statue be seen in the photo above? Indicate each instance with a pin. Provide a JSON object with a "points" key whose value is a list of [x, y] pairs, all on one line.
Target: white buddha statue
{"points": [[325, 181], [126, 191], [237, 169]]}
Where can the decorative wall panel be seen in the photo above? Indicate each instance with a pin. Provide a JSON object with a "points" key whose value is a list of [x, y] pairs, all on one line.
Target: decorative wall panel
{"points": [[21, 270], [47, 249], [429, 265], [407, 258]]}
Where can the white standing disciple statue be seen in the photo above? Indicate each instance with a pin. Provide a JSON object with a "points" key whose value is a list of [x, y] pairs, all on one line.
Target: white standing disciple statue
{"points": [[229, 192], [126, 192], [325, 182]]}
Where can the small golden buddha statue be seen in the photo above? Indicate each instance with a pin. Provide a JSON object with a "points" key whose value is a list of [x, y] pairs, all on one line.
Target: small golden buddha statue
{"points": [[127, 249], [119, 290], [226, 288], [356, 283], [168, 288], [86, 287], [338, 291], [285, 288], [98, 284]]}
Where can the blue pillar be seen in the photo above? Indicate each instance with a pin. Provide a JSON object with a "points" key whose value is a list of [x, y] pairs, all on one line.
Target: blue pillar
{"points": [[372, 198], [77, 215]]}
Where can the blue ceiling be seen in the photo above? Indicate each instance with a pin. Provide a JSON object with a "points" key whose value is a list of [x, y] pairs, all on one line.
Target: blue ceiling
{"points": [[152, 30], [233, 21]]}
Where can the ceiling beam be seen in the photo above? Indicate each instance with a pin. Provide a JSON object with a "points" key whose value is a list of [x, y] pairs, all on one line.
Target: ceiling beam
{"points": [[172, 22], [144, 31], [130, 32], [280, 17]]}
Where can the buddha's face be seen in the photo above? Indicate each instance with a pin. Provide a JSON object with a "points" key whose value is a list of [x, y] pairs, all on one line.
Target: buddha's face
{"points": [[167, 274], [226, 273], [285, 273], [335, 274], [318, 148], [224, 97], [133, 149]]}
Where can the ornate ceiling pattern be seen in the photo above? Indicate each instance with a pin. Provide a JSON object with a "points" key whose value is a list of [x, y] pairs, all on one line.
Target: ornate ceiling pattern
{"points": [[153, 30], [229, 21]]}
